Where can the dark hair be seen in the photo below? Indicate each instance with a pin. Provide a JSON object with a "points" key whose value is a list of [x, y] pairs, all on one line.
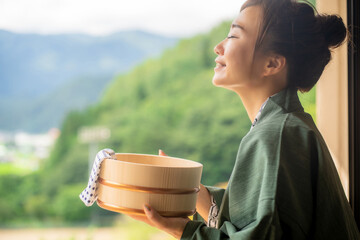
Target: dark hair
{"points": [[305, 38]]}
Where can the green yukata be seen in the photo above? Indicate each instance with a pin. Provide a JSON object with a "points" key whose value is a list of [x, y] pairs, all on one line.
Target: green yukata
{"points": [[284, 184]]}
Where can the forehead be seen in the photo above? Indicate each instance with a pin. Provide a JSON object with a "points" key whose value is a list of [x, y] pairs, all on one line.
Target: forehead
{"points": [[249, 18]]}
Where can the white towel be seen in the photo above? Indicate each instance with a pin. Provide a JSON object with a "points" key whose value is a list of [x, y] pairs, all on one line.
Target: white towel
{"points": [[89, 195]]}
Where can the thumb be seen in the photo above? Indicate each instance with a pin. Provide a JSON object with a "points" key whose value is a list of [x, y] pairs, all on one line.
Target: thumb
{"points": [[161, 153]]}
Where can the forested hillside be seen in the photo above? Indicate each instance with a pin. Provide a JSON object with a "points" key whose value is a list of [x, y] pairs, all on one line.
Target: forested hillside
{"points": [[167, 103], [39, 73]]}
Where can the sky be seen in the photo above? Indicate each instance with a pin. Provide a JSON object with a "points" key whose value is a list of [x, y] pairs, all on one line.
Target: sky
{"points": [[175, 18]]}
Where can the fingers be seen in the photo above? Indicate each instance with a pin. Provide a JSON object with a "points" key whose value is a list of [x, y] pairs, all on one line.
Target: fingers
{"points": [[161, 153], [174, 225], [142, 219], [154, 217]]}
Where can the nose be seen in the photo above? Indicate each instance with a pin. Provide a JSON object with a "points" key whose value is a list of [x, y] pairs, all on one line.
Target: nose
{"points": [[219, 49]]}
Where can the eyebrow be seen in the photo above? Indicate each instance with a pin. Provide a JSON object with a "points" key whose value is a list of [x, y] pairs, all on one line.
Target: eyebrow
{"points": [[234, 25]]}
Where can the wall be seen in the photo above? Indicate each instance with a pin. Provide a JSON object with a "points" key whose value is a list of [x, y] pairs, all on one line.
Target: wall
{"points": [[332, 99]]}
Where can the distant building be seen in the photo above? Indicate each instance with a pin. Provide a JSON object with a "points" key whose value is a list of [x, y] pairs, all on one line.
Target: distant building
{"points": [[39, 144], [25, 149]]}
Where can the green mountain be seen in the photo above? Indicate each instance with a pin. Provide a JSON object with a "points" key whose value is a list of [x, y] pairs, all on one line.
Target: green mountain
{"points": [[166, 103], [38, 72]]}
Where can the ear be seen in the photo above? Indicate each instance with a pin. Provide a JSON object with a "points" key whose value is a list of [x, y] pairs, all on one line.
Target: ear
{"points": [[274, 64]]}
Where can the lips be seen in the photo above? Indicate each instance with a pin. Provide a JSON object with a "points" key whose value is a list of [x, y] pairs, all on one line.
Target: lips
{"points": [[219, 64]]}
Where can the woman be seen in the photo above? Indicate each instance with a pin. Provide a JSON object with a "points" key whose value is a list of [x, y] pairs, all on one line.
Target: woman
{"points": [[284, 184]]}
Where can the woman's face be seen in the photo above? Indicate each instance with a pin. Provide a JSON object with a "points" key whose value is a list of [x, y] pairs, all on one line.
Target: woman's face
{"points": [[235, 65]]}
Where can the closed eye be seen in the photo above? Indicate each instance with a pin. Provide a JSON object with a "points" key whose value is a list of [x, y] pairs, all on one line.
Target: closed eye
{"points": [[228, 37]]}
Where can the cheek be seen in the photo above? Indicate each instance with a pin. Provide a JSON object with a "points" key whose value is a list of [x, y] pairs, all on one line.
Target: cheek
{"points": [[238, 66], [241, 61]]}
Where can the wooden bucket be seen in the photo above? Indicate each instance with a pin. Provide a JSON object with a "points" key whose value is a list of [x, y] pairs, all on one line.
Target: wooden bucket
{"points": [[169, 185]]}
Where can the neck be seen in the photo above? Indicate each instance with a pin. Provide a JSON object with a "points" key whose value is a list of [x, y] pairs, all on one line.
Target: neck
{"points": [[254, 98]]}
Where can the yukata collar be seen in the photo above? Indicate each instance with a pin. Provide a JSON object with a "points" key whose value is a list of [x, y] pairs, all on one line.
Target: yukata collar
{"points": [[285, 101]]}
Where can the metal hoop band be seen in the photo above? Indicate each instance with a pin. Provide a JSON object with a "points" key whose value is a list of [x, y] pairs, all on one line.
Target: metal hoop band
{"points": [[134, 211], [147, 189]]}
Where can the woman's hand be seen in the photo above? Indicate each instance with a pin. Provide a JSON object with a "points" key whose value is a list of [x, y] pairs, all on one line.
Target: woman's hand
{"points": [[172, 225], [161, 153]]}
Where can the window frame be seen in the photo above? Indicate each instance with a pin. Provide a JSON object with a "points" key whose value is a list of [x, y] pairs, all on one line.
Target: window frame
{"points": [[353, 19]]}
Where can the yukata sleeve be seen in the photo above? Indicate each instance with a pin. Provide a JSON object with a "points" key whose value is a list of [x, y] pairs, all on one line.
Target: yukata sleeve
{"points": [[255, 185], [217, 193], [266, 226]]}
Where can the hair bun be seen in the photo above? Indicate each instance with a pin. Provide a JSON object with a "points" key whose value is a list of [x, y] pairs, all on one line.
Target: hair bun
{"points": [[333, 28]]}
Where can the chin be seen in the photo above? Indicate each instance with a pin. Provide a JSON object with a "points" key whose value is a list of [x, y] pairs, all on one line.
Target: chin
{"points": [[218, 82], [224, 83], [221, 82]]}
